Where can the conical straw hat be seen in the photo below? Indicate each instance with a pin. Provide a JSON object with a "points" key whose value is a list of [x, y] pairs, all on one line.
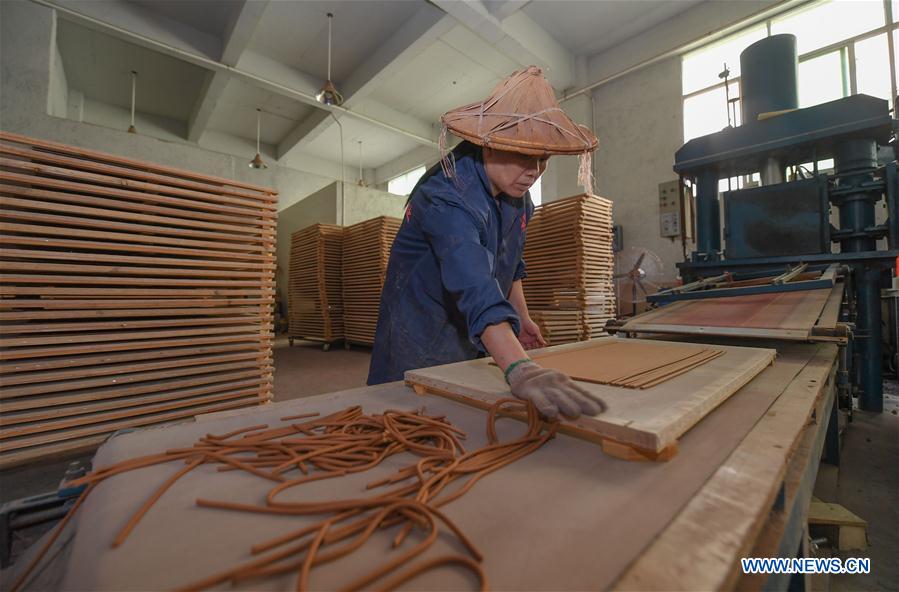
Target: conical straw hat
{"points": [[521, 115]]}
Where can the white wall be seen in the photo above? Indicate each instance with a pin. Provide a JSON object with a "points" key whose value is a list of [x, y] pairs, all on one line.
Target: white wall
{"points": [[639, 121], [32, 90], [58, 95], [320, 207], [324, 206], [560, 178]]}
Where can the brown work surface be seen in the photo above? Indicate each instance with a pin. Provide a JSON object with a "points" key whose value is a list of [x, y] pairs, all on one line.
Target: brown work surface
{"points": [[632, 364], [783, 315], [651, 419], [565, 517]]}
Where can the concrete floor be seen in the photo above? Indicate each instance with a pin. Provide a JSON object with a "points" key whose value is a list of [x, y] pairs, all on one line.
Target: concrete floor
{"points": [[867, 482], [305, 369]]}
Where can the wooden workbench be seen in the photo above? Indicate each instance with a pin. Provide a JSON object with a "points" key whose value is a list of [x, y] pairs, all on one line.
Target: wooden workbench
{"points": [[565, 517]]}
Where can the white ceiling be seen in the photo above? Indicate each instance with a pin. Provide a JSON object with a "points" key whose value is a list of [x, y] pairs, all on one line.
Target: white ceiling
{"points": [[400, 62], [208, 16], [296, 33], [588, 27], [100, 66], [236, 112], [378, 147]]}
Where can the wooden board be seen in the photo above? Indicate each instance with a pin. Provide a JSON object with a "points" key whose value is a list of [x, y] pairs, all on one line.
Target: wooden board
{"points": [[702, 547], [648, 420], [568, 252], [627, 363], [130, 294], [612, 510], [366, 251], [776, 315], [316, 283]]}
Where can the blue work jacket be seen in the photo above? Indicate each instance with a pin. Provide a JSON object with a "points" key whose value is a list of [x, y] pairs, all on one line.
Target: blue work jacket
{"points": [[450, 271]]}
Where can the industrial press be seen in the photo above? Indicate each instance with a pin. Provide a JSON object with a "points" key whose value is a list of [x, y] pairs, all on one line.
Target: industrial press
{"points": [[798, 217]]}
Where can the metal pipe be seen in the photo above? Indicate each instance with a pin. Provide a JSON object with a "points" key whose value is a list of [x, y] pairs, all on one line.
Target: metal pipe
{"points": [[855, 161], [219, 66], [868, 334], [708, 217], [342, 180]]}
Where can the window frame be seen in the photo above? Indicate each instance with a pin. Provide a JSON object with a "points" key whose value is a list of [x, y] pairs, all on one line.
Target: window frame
{"points": [[846, 48]]}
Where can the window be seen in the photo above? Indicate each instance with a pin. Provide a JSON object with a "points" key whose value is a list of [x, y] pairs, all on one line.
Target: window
{"points": [[843, 49], [825, 23], [872, 67], [701, 67], [537, 191], [404, 184], [821, 79], [706, 112]]}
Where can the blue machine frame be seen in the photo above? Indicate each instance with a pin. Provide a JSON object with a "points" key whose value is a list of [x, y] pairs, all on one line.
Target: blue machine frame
{"points": [[849, 130]]}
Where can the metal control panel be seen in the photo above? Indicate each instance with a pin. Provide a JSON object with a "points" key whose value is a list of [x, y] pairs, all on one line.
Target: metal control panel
{"points": [[671, 213]]}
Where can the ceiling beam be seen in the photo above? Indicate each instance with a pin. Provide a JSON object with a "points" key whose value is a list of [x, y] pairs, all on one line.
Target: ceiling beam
{"points": [[518, 37], [252, 68], [503, 9], [240, 30], [417, 33], [143, 24]]}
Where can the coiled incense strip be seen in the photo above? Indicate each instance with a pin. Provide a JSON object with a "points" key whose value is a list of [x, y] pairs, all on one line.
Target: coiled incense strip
{"points": [[331, 447]]}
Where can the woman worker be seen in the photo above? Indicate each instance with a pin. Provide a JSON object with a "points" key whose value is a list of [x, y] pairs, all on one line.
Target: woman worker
{"points": [[453, 287]]}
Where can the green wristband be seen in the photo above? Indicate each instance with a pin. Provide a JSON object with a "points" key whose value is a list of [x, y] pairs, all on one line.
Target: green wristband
{"points": [[512, 366]]}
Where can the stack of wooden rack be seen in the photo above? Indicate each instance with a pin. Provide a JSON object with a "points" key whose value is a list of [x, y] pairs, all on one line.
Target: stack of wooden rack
{"points": [[131, 294], [366, 249], [568, 252], [316, 286]]}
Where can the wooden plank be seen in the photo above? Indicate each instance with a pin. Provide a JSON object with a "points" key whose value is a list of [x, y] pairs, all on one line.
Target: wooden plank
{"points": [[151, 192], [86, 219], [262, 193], [85, 407], [130, 294], [569, 259], [701, 548], [85, 380], [35, 366], [189, 257], [785, 315], [239, 232], [182, 363], [140, 242], [651, 419], [156, 405], [366, 249], [219, 268], [186, 383], [7, 446], [115, 303], [261, 339], [627, 363]]}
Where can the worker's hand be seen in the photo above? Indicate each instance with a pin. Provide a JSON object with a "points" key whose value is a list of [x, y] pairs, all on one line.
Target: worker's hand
{"points": [[530, 336], [552, 392]]}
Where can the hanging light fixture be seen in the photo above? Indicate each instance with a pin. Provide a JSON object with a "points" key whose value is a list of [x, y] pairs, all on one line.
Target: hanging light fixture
{"points": [[131, 128], [328, 94], [257, 163], [361, 182]]}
